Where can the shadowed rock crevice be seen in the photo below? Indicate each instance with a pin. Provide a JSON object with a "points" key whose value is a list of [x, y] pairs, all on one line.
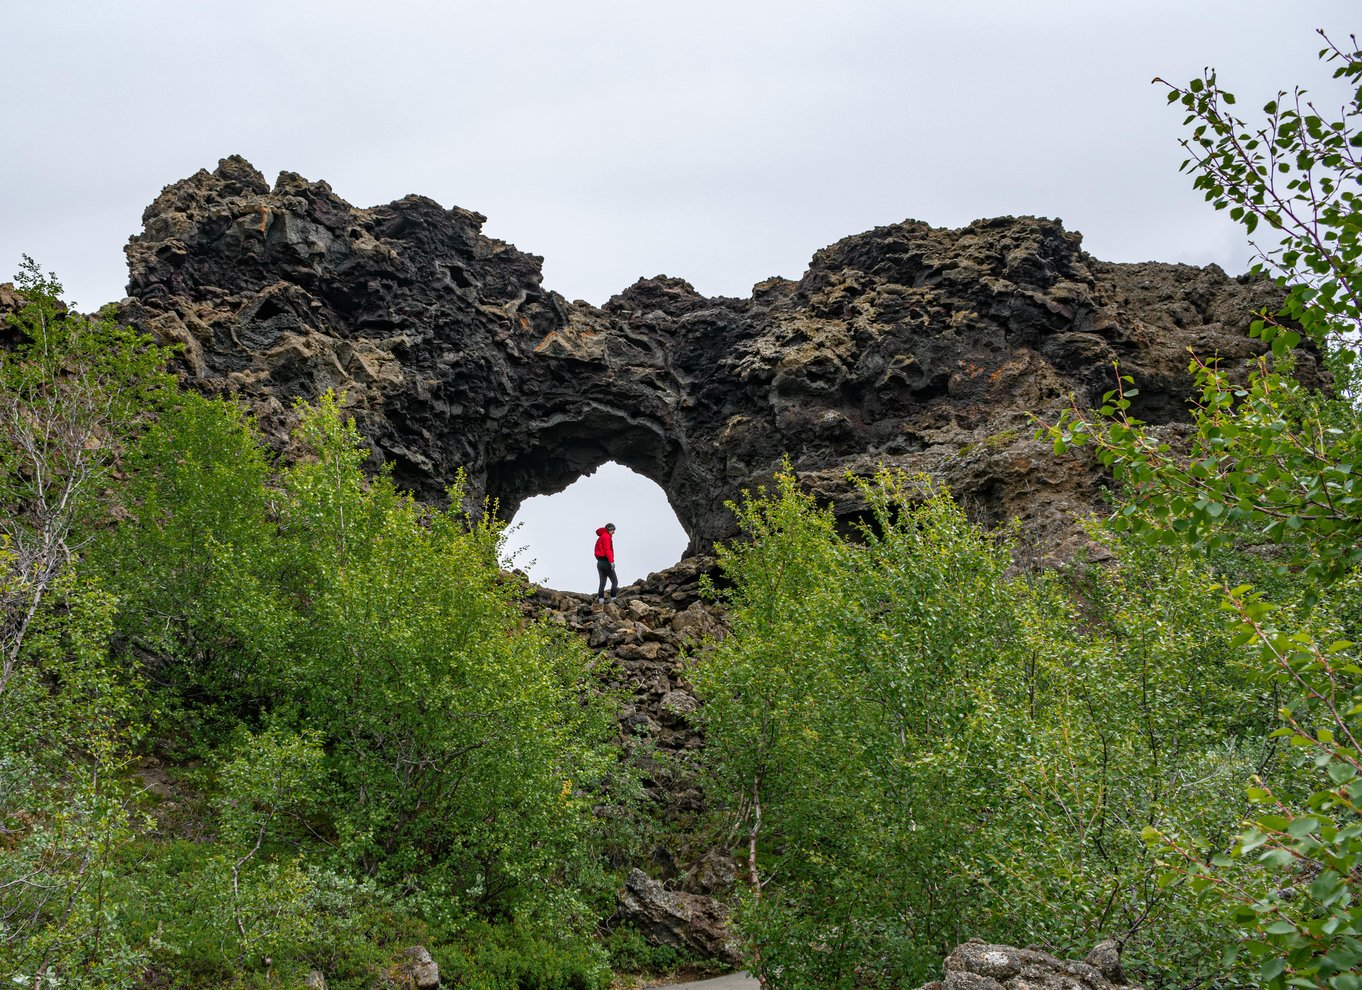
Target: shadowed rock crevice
{"points": [[905, 346]]}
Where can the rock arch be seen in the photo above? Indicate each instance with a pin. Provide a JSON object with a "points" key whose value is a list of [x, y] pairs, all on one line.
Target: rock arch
{"points": [[907, 346]]}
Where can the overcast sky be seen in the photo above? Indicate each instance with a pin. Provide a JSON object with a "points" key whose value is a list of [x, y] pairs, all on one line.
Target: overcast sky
{"points": [[722, 142]]}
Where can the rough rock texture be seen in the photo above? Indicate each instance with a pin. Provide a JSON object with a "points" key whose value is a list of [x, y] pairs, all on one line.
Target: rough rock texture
{"points": [[680, 920], [419, 970], [906, 345], [976, 965]]}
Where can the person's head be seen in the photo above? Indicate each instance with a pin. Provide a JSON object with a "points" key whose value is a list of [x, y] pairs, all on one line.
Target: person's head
{"points": [[610, 528]]}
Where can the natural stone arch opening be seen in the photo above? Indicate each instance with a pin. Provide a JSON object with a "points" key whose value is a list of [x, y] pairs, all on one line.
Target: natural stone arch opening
{"points": [[639, 465], [563, 447], [551, 536]]}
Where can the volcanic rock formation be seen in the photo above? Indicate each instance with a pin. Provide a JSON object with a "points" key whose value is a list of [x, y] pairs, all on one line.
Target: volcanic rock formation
{"points": [[906, 346]]}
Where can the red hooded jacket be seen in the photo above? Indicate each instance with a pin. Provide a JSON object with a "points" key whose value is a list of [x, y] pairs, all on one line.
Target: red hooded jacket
{"points": [[605, 546]]}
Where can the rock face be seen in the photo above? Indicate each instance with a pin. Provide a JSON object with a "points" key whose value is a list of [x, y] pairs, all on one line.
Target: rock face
{"points": [[419, 969], [976, 965], [908, 346]]}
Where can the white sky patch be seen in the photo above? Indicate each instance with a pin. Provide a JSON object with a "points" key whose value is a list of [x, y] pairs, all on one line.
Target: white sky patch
{"points": [[552, 536]]}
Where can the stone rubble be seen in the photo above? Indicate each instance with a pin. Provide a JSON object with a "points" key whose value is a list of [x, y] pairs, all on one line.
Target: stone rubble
{"points": [[646, 633]]}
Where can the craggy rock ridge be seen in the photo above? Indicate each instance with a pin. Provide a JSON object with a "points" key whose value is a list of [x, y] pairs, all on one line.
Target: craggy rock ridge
{"points": [[907, 346]]}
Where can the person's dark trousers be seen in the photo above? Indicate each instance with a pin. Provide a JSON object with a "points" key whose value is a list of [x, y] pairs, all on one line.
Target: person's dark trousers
{"points": [[607, 572]]}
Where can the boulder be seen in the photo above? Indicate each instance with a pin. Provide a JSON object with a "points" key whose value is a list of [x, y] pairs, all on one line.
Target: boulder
{"points": [[714, 874], [678, 919], [419, 969], [977, 965], [677, 707], [1105, 957]]}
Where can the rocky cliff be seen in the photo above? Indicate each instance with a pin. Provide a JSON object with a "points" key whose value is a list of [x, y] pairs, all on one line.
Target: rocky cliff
{"points": [[908, 346]]}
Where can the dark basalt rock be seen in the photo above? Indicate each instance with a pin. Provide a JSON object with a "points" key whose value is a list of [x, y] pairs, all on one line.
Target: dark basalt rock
{"points": [[906, 346], [648, 639]]}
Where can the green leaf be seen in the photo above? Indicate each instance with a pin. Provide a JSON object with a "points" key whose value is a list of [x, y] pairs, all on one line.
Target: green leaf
{"points": [[1302, 826], [1341, 773], [1278, 858]]}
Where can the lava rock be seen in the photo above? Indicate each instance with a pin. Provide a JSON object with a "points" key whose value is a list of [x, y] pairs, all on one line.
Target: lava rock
{"points": [[977, 965], [905, 346], [677, 919], [420, 969]]}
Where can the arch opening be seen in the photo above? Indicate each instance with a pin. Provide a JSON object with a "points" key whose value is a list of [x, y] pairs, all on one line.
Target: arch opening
{"points": [[547, 455], [552, 535]]}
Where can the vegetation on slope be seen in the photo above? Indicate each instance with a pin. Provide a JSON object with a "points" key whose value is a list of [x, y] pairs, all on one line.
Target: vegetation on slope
{"points": [[382, 750]]}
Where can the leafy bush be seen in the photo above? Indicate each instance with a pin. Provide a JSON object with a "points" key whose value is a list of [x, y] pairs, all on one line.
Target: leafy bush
{"points": [[74, 393], [919, 745], [454, 745], [1277, 460], [509, 957], [302, 917], [630, 952], [1290, 881], [373, 711], [416, 666]]}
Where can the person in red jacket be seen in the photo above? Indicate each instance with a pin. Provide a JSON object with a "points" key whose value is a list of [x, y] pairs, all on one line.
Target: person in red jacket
{"points": [[605, 562]]}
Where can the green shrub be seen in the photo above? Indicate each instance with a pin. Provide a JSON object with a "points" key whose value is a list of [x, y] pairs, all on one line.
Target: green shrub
{"points": [[510, 957], [920, 745], [630, 952], [1276, 461], [300, 916], [361, 672]]}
